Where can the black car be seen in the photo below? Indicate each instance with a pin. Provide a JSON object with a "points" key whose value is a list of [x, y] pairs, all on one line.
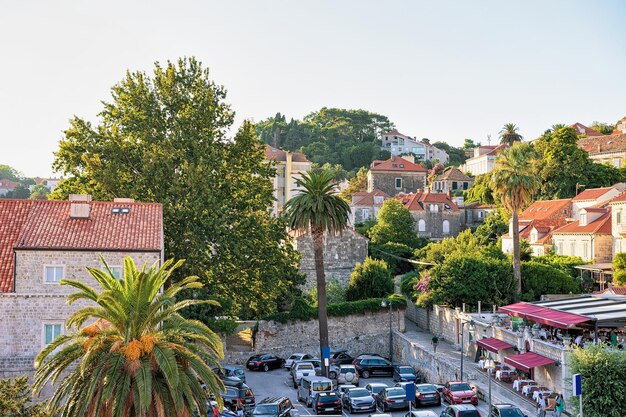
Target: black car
{"points": [[505, 410], [341, 357], [273, 407], [392, 398], [427, 394], [326, 403], [373, 365], [358, 399], [404, 373], [264, 362], [241, 392]]}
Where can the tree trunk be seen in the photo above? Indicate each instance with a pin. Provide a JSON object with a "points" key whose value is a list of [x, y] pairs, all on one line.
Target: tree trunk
{"points": [[517, 266], [318, 250]]}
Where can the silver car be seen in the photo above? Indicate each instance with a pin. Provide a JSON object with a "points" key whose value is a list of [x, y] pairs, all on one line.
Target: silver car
{"points": [[345, 374]]}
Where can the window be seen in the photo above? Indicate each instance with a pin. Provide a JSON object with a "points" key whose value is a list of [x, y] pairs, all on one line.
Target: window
{"points": [[454, 185], [53, 274], [480, 214], [572, 248], [378, 199], [618, 216], [421, 225], [434, 208], [446, 227], [585, 251], [559, 247], [583, 219], [398, 183], [50, 332], [366, 214], [117, 271], [465, 185]]}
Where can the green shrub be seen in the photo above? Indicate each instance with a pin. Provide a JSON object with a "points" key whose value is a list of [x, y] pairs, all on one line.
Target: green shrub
{"points": [[370, 279], [335, 292], [389, 252], [539, 279], [407, 284]]}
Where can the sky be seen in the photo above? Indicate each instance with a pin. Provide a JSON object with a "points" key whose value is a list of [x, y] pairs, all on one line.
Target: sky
{"points": [[445, 70]]}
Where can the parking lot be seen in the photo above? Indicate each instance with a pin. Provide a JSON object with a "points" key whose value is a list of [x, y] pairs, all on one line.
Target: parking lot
{"points": [[278, 383]]}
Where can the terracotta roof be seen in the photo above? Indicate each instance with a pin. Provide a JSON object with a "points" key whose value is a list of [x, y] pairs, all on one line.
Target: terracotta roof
{"points": [[367, 199], [272, 153], [30, 224], [415, 202], [396, 163], [584, 130], [497, 149], [7, 184], [600, 226], [452, 174], [543, 209], [600, 144], [617, 290], [394, 132], [592, 194], [619, 199]]}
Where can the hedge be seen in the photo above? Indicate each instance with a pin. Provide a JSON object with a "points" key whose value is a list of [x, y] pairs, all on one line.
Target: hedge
{"points": [[302, 313]]}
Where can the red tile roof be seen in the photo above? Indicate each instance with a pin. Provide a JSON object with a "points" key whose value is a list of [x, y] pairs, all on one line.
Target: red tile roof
{"points": [[452, 174], [415, 202], [367, 199], [28, 224], [272, 153], [600, 226], [617, 290], [396, 163], [600, 144], [543, 209], [619, 199], [592, 194], [7, 184], [394, 132], [584, 130]]}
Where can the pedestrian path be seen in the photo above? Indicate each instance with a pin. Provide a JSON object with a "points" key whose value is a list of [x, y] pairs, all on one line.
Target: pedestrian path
{"points": [[446, 352]]}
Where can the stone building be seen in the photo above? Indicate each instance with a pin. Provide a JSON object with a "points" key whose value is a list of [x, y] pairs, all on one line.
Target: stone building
{"points": [[288, 166], [396, 175], [42, 242], [366, 205], [452, 180], [608, 149], [436, 216], [342, 251]]}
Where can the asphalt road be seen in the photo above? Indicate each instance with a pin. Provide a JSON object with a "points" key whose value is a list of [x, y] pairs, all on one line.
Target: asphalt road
{"points": [[278, 383]]}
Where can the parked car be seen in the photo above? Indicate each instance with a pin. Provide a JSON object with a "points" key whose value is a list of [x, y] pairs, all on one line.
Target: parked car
{"points": [[373, 365], [310, 385], [404, 373], [340, 357], [363, 355], [427, 394], [375, 387], [243, 392], [358, 399], [402, 384], [326, 403], [462, 410], [423, 413], [392, 398], [211, 406], [300, 369], [297, 357], [344, 374], [264, 362], [459, 392], [230, 372], [505, 410], [342, 389], [380, 415], [273, 407]]}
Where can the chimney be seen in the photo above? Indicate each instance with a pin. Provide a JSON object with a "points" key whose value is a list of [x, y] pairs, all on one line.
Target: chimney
{"points": [[79, 207], [123, 200]]}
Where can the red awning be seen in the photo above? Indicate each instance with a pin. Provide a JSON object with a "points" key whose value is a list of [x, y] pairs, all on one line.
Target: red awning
{"points": [[544, 315], [527, 361], [493, 345]]}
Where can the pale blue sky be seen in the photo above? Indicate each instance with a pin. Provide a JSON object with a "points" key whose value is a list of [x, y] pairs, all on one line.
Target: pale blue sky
{"points": [[445, 70]]}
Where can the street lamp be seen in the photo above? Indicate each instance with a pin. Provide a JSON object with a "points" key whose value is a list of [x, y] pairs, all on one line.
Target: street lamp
{"points": [[471, 323], [383, 304], [489, 365]]}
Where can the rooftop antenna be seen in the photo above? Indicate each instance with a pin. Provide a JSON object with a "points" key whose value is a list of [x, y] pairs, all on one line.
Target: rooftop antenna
{"points": [[488, 139]]}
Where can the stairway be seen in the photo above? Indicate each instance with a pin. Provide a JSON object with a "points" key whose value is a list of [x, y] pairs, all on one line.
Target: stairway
{"points": [[241, 341]]}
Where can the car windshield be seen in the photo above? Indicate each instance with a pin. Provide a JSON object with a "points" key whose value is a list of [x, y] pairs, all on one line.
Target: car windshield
{"points": [[395, 391], [359, 392], [460, 387], [511, 412], [426, 388], [468, 413], [327, 398], [347, 370], [295, 357], [305, 366], [322, 386], [405, 370], [265, 409]]}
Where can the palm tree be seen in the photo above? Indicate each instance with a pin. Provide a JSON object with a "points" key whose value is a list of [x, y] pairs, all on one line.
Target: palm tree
{"points": [[509, 135], [319, 209], [140, 358], [514, 181]]}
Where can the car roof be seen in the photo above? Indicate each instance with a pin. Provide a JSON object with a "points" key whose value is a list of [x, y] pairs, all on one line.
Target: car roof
{"points": [[272, 400], [231, 367], [462, 407], [424, 413], [316, 378], [321, 393], [346, 366], [377, 384], [504, 405]]}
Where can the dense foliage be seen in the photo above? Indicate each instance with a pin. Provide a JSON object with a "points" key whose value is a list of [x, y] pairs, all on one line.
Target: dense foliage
{"points": [[335, 292], [371, 279], [619, 268], [390, 252], [481, 191], [16, 400], [603, 374], [539, 279], [163, 138], [494, 226], [394, 224], [355, 184]]}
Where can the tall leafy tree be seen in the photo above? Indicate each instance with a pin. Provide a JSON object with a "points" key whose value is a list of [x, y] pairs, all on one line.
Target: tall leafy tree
{"points": [[16, 401], [355, 184], [515, 182], [509, 134], [140, 358], [163, 138], [319, 210], [394, 224], [9, 173]]}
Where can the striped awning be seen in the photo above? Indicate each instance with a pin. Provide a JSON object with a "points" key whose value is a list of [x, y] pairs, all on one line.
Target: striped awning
{"points": [[493, 345]]}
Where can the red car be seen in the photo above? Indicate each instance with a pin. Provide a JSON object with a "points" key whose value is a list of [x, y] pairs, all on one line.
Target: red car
{"points": [[459, 392]]}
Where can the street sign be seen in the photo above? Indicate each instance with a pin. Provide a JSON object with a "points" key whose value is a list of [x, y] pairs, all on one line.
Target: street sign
{"points": [[326, 352], [410, 391], [577, 383]]}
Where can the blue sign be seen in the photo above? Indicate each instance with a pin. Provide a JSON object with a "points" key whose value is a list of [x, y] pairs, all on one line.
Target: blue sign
{"points": [[325, 352], [577, 382], [410, 391]]}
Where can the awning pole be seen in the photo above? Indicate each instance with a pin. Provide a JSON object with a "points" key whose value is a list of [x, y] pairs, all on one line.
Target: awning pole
{"points": [[595, 325]]}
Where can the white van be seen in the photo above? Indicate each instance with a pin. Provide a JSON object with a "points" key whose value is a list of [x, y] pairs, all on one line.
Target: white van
{"points": [[309, 385]]}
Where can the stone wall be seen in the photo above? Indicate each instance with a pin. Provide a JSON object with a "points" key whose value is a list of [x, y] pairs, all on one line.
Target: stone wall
{"points": [[433, 222], [358, 333], [386, 181], [341, 253]]}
